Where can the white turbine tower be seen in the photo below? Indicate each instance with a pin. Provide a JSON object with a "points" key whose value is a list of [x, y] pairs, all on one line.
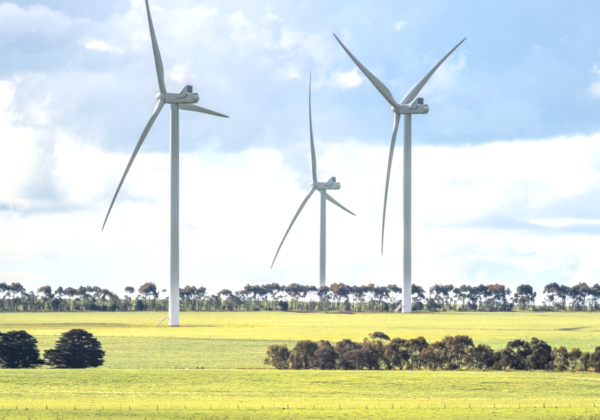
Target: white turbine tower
{"points": [[322, 187], [409, 105], [183, 100]]}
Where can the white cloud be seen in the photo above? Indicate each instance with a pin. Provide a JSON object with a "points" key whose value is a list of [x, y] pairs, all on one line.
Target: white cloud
{"points": [[96, 45], [480, 214], [272, 17], [17, 22], [447, 78], [595, 85], [347, 80], [400, 25], [23, 278], [507, 211], [564, 222], [180, 74]]}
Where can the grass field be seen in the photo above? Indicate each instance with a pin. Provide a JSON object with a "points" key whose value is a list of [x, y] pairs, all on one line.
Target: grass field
{"points": [[154, 371]]}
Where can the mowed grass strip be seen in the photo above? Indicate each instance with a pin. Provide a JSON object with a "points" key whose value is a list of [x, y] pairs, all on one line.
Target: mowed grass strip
{"points": [[308, 394]]}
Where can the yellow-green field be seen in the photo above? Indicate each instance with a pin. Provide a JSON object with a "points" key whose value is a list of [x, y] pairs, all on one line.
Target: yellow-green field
{"points": [[152, 372]]}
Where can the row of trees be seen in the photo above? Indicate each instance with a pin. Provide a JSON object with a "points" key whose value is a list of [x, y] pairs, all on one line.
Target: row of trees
{"points": [[297, 297], [378, 351], [75, 349]]}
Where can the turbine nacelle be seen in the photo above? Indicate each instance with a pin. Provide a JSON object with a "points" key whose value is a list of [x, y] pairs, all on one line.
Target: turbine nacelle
{"points": [[186, 96], [329, 185], [417, 107]]}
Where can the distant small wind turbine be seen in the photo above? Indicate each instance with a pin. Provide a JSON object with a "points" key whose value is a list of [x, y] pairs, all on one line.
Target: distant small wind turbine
{"points": [[409, 105], [322, 187], [183, 100]]}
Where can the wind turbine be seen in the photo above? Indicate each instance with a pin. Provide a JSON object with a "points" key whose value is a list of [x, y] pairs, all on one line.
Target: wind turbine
{"points": [[322, 187], [409, 105], [183, 100]]}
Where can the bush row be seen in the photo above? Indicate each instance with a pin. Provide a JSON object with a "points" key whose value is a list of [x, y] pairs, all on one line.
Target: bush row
{"points": [[378, 351], [74, 349]]}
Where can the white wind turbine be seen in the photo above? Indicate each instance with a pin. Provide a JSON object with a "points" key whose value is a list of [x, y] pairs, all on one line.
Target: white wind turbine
{"points": [[409, 105], [322, 187], [183, 100]]}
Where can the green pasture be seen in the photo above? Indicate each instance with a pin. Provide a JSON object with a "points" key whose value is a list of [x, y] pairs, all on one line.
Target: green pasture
{"points": [[229, 340], [213, 363]]}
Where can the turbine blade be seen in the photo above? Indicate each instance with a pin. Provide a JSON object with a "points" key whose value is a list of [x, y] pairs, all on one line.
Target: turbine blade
{"points": [[190, 107], [330, 198], [389, 171], [312, 190], [313, 155], [160, 72], [410, 96], [376, 82], [157, 109]]}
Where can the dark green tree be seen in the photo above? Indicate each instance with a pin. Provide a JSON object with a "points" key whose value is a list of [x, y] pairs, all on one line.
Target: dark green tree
{"points": [[574, 357], [76, 349], [480, 357], [325, 357], [396, 353], [302, 354], [341, 348], [541, 355], [358, 359], [415, 346], [596, 359], [18, 349], [514, 355], [525, 296], [586, 360], [376, 344], [278, 355], [560, 358]]}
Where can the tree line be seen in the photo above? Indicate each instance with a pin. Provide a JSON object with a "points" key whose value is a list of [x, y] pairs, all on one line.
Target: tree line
{"points": [[297, 297], [378, 351]]}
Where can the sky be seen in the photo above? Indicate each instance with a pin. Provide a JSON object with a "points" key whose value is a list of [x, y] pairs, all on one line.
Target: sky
{"points": [[506, 165]]}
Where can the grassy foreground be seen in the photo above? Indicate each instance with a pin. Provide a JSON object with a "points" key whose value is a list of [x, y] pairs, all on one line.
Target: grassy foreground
{"points": [[183, 394], [139, 379]]}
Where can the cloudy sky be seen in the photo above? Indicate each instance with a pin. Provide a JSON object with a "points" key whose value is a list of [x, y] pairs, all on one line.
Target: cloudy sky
{"points": [[506, 165]]}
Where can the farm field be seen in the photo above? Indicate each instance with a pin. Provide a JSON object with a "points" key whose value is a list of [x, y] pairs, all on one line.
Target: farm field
{"points": [[149, 366]]}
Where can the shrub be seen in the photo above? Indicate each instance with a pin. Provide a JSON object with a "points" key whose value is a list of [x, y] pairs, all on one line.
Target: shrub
{"points": [[18, 349], [76, 349]]}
